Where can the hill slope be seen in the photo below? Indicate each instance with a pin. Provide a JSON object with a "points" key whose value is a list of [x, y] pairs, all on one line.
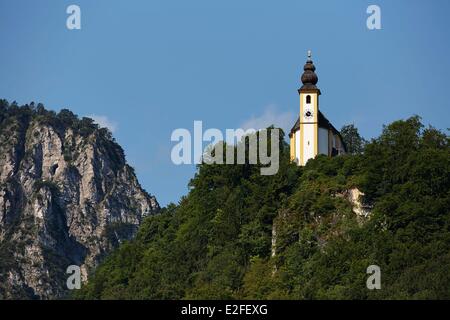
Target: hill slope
{"points": [[67, 197], [297, 234]]}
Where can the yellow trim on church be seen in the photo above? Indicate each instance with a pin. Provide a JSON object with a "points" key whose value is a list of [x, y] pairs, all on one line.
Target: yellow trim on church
{"points": [[292, 146], [302, 129], [316, 124]]}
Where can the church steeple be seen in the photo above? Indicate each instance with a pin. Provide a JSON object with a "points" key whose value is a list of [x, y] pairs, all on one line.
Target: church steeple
{"points": [[309, 77], [309, 113]]}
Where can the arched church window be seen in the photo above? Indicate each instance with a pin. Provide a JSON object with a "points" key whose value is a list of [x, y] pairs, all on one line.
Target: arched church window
{"points": [[308, 99]]}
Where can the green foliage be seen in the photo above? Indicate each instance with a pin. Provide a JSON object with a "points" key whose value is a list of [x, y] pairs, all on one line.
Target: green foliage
{"points": [[217, 242], [352, 139], [118, 230]]}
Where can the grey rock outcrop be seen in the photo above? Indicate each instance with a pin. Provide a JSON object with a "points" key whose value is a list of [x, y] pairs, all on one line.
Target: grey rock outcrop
{"points": [[67, 197]]}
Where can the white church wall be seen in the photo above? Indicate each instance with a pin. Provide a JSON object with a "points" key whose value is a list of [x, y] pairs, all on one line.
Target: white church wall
{"points": [[323, 141], [309, 138], [297, 145]]}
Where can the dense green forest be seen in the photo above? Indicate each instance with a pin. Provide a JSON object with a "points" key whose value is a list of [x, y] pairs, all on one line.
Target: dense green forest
{"points": [[217, 242]]}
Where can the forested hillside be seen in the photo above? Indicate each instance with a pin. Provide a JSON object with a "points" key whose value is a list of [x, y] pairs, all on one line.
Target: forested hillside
{"points": [[295, 235]]}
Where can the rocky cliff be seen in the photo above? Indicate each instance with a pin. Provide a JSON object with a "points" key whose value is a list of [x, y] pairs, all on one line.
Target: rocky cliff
{"points": [[67, 197]]}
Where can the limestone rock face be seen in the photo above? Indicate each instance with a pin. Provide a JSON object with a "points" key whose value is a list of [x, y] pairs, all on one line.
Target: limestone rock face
{"points": [[355, 196], [67, 197]]}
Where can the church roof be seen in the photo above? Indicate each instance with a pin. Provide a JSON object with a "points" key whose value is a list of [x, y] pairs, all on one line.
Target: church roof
{"points": [[323, 123], [295, 127]]}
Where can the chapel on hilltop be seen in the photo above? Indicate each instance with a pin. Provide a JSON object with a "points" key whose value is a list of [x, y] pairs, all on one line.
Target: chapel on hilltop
{"points": [[313, 133]]}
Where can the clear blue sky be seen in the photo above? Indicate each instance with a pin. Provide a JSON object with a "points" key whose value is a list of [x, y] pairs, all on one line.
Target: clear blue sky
{"points": [[150, 67]]}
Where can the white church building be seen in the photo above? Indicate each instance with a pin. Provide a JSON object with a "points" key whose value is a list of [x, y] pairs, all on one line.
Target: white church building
{"points": [[312, 134]]}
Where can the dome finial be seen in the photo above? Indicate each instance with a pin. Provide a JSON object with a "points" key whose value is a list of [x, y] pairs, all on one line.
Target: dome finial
{"points": [[309, 55]]}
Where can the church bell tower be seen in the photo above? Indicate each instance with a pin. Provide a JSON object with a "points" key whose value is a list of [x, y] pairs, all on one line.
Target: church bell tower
{"points": [[313, 133], [309, 113]]}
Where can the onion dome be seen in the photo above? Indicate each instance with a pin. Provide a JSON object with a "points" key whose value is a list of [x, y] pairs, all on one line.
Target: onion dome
{"points": [[309, 77]]}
